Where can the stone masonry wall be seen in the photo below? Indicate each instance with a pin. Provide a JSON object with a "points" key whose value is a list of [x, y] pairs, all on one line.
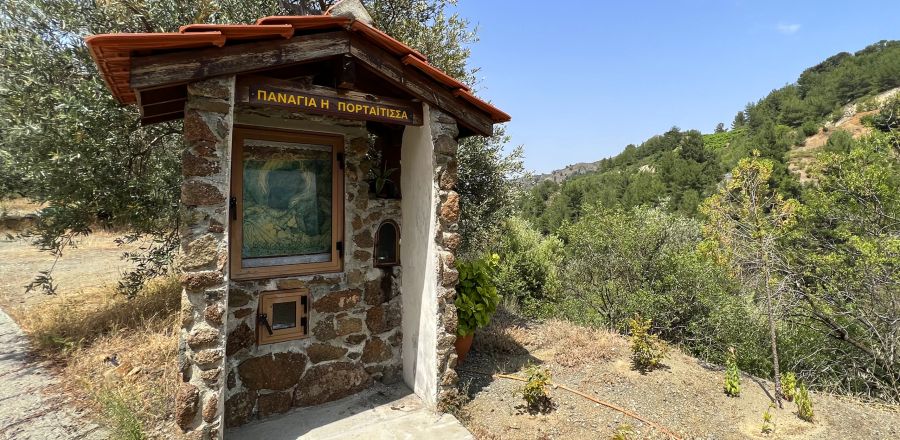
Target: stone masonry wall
{"points": [[354, 315], [444, 133], [204, 194]]}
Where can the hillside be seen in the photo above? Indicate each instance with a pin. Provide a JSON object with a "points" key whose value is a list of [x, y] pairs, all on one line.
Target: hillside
{"points": [[685, 396], [678, 169], [803, 155]]}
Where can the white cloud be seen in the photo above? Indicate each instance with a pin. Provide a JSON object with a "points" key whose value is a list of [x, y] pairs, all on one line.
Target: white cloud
{"points": [[788, 28]]}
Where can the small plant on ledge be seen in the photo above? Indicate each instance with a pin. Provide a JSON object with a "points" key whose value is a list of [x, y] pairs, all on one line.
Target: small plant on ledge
{"points": [[476, 299], [381, 184]]}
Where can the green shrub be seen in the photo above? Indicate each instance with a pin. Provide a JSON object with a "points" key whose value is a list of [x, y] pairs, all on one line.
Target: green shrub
{"points": [[789, 386], [804, 404], [809, 128], [528, 269], [536, 391], [732, 376], [647, 351], [476, 299], [768, 426], [888, 118]]}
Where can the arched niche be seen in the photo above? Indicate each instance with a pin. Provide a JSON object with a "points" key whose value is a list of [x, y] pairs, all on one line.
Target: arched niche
{"points": [[387, 244]]}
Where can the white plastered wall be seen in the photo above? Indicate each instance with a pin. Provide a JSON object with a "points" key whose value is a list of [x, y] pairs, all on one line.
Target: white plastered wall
{"points": [[418, 252]]}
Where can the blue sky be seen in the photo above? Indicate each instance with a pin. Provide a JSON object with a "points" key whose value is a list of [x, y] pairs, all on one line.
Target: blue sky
{"points": [[582, 79]]}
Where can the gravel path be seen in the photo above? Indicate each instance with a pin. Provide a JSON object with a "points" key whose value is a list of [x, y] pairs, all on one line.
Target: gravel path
{"points": [[30, 407]]}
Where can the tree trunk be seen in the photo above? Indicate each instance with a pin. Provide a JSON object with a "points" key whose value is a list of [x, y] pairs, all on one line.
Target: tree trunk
{"points": [[772, 338]]}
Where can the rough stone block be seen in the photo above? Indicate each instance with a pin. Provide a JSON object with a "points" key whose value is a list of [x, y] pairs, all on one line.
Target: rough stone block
{"points": [[238, 297], [446, 145], [196, 281], [208, 358], [334, 302], [375, 351], [272, 372], [347, 325], [242, 313], [196, 129], [273, 403], [194, 193], [450, 208], [214, 314], [201, 337], [240, 338], [187, 400], [239, 408], [195, 166], [451, 241], [328, 382], [323, 352], [201, 253], [211, 408], [364, 239]]}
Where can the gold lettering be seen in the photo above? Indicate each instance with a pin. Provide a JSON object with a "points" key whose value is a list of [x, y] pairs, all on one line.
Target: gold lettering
{"points": [[325, 103], [373, 111], [358, 108], [272, 97], [342, 106], [260, 95], [404, 116], [292, 99], [311, 103]]}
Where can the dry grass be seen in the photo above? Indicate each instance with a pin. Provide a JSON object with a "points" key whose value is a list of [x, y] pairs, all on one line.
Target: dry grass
{"points": [[568, 344], [18, 205], [118, 354], [574, 346]]}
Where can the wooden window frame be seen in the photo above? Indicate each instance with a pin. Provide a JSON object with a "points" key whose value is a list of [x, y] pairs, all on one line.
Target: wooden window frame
{"points": [[266, 302], [396, 261], [335, 264]]}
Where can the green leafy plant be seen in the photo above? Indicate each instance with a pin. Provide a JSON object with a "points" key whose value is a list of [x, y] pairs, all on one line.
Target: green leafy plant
{"points": [[623, 432], [804, 404], [536, 391], [768, 426], [382, 177], [476, 298], [647, 351], [789, 386], [732, 376]]}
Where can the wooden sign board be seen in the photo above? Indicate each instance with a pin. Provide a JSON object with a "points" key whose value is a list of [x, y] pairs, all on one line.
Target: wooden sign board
{"points": [[325, 101]]}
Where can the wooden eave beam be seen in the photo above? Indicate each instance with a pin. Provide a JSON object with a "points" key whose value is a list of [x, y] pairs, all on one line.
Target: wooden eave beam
{"points": [[393, 70], [155, 71]]}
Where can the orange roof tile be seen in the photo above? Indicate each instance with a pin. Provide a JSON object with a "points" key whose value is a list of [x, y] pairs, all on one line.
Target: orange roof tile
{"points": [[113, 52]]}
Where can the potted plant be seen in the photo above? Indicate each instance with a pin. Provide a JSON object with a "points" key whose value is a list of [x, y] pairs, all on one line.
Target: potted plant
{"points": [[476, 299], [380, 184]]}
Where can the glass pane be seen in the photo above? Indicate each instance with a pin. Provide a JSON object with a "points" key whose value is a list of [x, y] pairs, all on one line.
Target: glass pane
{"points": [[284, 315], [287, 203], [386, 248]]}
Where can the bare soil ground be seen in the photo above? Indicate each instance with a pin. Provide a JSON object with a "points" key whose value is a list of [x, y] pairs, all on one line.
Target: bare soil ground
{"points": [[684, 396], [92, 266]]}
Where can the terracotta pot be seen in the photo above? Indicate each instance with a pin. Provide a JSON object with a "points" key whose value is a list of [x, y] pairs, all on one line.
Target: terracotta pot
{"points": [[463, 344]]}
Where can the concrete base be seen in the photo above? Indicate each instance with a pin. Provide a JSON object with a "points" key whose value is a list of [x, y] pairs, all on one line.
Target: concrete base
{"points": [[378, 413]]}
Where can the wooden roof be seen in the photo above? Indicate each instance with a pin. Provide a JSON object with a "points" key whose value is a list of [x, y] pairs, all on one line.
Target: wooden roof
{"points": [[134, 63]]}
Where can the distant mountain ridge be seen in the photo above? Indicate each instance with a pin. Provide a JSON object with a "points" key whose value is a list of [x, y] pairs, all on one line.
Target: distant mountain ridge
{"points": [[562, 174]]}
